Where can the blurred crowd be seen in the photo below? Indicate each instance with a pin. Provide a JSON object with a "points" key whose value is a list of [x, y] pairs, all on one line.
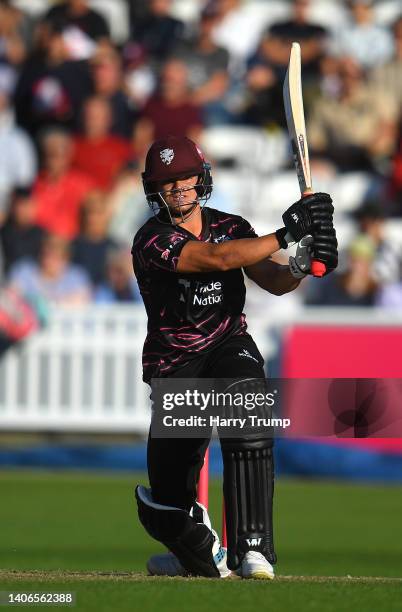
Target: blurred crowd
{"points": [[79, 109]]}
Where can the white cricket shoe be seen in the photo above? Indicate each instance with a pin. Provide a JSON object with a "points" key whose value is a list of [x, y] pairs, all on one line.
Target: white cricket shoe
{"points": [[255, 565]]}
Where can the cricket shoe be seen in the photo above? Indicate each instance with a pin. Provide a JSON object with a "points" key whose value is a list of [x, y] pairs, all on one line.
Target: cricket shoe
{"points": [[255, 566]]}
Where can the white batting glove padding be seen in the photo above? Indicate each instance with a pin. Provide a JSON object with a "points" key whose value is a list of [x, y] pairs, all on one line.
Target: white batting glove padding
{"points": [[300, 265]]}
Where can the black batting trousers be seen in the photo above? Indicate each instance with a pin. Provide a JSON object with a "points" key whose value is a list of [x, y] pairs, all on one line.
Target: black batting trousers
{"points": [[174, 464]]}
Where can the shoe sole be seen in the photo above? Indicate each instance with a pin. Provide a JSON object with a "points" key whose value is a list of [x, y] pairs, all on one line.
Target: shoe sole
{"points": [[259, 576]]}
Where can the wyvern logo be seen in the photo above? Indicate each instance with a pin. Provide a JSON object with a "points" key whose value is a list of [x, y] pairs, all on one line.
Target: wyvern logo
{"points": [[295, 218], [253, 541], [167, 156]]}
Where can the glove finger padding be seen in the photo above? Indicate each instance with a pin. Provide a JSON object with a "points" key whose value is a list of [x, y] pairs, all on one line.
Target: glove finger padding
{"points": [[328, 236], [319, 203], [325, 249], [322, 219], [317, 198], [326, 208], [327, 230]]}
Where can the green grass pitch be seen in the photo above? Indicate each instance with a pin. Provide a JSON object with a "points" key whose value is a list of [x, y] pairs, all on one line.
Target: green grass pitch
{"points": [[339, 547]]}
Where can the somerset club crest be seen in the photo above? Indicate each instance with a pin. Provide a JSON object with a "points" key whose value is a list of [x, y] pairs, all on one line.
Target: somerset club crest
{"points": [[167, 156]]}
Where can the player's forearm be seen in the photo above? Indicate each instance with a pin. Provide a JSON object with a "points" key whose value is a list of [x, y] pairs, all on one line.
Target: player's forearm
{"points": [[245, 252], [231, 255], [282, 282], [272, 277]]}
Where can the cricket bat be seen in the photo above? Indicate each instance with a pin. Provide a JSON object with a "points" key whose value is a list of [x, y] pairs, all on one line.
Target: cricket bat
{"points": [[293, 101]]}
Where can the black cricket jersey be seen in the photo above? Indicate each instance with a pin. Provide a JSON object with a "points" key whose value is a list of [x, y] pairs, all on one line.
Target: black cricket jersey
{"points": [[188, 314]]}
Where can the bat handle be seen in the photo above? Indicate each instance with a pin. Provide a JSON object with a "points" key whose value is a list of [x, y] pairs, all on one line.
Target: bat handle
{"points": [[318, 268]]}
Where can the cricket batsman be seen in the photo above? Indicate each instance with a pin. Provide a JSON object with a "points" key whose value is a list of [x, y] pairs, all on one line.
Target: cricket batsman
{"points": [[184, 252]]}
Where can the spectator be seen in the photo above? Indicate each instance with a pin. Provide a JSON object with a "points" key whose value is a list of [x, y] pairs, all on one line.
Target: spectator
{"points": [[51, 87], [355, 129], [121, 285], [355, 287], [19, 236], [170, 111], [127, 205], [18, 318], [78, 14], [17, 154], [311, 37], [107, 76], [140, 78], [371, 223], [267, 66], [368, 43], [207, 65], [388, 78], [390, 296], [238, 30], [54, 278], [14, 35], [92, 246], [98, 153], [158, 32], [394, 188], [1, 266], [60, 189], [137, 9], [264, 80]]}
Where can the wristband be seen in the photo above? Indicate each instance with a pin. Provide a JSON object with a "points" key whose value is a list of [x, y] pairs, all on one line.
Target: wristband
{"points": [[280, 236]]}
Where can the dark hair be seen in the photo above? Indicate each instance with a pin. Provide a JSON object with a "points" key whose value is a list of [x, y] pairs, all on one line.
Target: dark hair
{"points": [[371, 209]]}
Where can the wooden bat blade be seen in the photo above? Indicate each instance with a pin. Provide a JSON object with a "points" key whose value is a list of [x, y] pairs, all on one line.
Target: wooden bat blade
{"points": [[294, 111]]}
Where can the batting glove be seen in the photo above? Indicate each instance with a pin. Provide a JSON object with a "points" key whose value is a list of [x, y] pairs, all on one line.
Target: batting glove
{"points": [[325, 248], [304, 216]]}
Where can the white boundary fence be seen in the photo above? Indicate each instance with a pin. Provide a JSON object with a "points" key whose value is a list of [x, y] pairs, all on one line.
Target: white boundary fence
{"points": [[83, 372]]}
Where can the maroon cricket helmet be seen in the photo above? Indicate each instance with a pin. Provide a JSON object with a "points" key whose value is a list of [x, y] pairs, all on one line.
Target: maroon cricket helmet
{"points": [[172, 157]]}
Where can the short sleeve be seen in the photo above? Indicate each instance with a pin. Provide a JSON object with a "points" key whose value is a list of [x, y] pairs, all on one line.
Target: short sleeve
{"points": [[158, 250], [242, 229]]}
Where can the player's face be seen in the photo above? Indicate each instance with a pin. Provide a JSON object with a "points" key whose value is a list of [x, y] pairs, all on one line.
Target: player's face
{"points": [[180, 195]]}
